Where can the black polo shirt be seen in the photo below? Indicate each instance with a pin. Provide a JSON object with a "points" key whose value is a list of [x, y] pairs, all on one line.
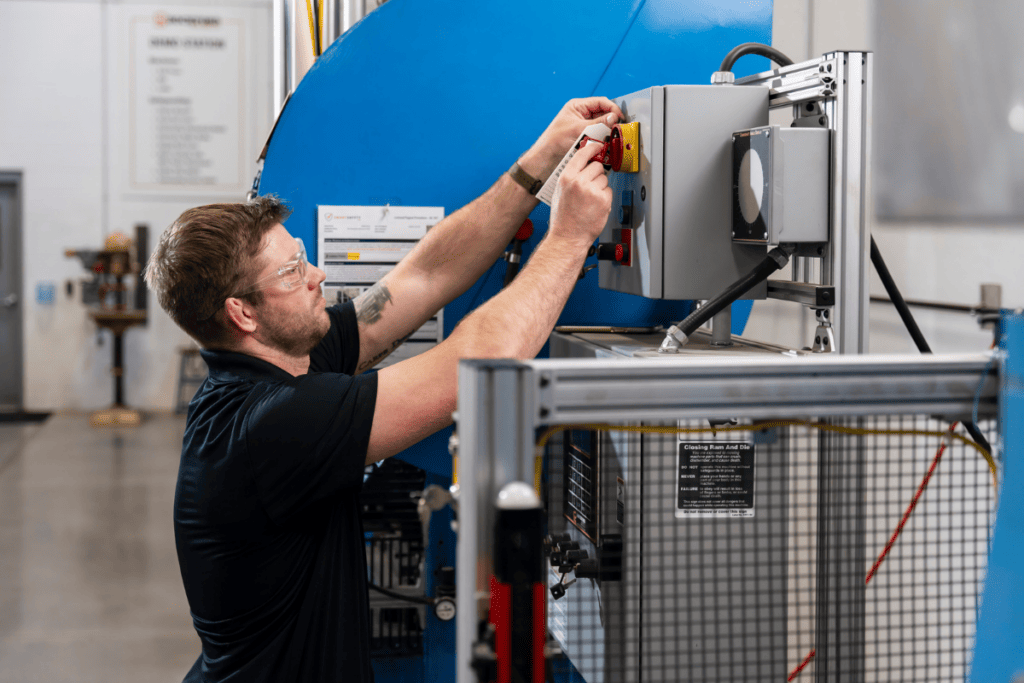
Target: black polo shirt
{"points": [[267, 516]]}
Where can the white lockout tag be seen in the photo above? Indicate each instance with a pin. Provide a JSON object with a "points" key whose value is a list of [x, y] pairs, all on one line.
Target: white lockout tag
{"points": [[598, 131]]}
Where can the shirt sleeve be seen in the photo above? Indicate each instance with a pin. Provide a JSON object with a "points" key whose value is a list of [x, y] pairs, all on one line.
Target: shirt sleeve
{"points": [[307, 439], [338, 351]]}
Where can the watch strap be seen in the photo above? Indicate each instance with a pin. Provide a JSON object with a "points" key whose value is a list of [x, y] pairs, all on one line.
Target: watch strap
{"points": [[529, 183]]}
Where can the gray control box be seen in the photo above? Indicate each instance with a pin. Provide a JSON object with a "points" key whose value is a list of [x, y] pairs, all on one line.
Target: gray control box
{"points": [[780, 185], [676, 212]]}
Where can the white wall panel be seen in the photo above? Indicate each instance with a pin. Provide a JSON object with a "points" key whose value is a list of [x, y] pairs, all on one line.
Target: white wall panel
{"points": [[59, 79], [50, 126]]}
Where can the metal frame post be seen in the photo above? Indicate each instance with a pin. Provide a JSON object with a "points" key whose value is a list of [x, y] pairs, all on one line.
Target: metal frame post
{"points": [[841, 591], [846, 259], [284, 53], [496, 437], [841, 499]]}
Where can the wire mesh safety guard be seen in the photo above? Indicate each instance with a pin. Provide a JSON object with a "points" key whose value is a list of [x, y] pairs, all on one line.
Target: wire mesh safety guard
{"points": [[744, 553]]}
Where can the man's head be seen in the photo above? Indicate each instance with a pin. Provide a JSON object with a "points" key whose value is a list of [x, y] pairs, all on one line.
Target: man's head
{"points": [[214, 272]]}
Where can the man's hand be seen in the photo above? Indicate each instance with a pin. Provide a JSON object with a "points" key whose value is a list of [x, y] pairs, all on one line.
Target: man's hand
{"points": [[561, 133], [582, 199]]}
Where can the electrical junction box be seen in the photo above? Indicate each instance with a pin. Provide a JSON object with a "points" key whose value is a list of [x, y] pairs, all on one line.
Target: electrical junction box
{"points": [[780, 185], [675, 213]]}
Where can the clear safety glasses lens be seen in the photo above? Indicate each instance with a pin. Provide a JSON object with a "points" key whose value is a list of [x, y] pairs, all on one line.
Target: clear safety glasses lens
{"points": [[291, 274]]}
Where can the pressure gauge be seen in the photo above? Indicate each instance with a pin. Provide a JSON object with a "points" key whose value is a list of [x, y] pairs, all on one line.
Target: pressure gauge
{"points": [[444, 609]]}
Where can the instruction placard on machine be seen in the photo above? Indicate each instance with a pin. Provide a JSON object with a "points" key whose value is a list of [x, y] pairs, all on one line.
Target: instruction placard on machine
{"points": [[359, 245], [715, 479]]}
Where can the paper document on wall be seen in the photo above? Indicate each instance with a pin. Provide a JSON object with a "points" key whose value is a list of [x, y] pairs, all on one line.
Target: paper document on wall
{"points": [[598, 131]]}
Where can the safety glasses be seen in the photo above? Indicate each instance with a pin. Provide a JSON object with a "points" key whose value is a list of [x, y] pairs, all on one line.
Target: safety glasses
{"points": [[291, 274]]}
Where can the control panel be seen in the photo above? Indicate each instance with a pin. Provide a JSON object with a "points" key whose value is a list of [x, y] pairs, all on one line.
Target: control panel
{"points": [[671, 219]]}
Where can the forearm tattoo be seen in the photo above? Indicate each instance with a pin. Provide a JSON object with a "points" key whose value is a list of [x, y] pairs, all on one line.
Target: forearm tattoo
{"points": [[370, 304], [369, 363]]}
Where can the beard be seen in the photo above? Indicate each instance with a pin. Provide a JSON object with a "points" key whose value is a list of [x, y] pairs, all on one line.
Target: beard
{"points": [[295, 336]]}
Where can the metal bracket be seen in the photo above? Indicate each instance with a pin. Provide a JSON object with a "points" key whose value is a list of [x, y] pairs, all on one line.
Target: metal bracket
{"points": [[808, 81], [809, 115], [824, 340], [815, 296]]}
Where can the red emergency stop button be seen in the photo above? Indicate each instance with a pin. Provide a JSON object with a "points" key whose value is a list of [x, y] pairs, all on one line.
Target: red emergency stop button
{"points": [[610, 251]]}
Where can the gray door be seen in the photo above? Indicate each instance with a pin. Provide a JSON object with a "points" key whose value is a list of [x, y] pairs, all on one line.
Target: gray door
{"points": [[10, 292]]}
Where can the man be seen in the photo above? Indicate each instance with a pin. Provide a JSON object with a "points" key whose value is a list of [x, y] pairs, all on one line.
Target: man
{"points": [[266, 510]]}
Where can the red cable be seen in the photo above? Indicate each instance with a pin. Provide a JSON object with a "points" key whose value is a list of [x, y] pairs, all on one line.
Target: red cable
{"points": [[895, 535], [796, 671], [910, 508]]}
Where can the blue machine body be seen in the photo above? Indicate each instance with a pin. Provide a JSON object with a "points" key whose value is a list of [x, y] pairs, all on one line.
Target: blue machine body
{"points": [[998, 656], [428, 102]]}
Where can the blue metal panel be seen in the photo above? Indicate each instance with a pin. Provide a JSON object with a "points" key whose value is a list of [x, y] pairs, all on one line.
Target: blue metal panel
{"points": [[998, 655], [427, 103]]}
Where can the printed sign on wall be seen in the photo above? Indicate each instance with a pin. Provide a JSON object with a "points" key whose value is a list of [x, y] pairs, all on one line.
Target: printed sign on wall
{"points": [[187, 102]]}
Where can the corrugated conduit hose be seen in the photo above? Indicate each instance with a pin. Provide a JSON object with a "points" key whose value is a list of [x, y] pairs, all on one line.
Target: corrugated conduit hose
{"points": [[677, 334]]}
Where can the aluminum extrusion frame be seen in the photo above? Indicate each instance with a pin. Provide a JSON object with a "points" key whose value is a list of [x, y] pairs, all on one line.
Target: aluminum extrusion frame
{"points": [[842, 82]]}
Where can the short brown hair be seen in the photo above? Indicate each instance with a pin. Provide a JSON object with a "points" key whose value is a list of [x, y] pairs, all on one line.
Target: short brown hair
{"points": [[206, 256]]}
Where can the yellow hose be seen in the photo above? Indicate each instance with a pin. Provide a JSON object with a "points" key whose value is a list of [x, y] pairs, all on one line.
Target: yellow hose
{"points": [[321, 34], [312, 29]]}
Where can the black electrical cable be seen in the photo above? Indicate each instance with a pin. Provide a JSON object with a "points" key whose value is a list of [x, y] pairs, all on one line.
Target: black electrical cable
{"points": [[398, 596], [776, 259], [897, 299], [754, 49], [976, 434], [915, 332]]}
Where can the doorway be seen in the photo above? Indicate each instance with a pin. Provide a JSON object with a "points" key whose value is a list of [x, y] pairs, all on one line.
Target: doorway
{"points": [[11, 299]]}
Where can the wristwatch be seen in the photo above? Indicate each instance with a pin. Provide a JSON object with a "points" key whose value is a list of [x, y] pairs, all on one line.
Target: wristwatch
{"points": [[529, 183]]}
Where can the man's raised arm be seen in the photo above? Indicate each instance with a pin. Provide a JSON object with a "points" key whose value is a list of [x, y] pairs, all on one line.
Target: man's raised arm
{"points": [[459, 249], [416, 397]]}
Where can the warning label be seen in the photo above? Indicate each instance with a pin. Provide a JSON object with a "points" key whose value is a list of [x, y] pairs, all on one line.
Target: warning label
{"points": [[716, 479]]}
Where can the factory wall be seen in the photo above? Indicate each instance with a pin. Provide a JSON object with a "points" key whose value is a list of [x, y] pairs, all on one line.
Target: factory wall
{"points": [[945, 261], [64, 121]]}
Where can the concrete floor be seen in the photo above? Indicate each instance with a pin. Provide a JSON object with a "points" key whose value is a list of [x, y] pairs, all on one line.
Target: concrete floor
{"points": [[89, 582]]}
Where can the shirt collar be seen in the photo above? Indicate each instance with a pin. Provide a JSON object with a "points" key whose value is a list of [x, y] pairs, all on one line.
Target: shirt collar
{"points": [[231, 364]]}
